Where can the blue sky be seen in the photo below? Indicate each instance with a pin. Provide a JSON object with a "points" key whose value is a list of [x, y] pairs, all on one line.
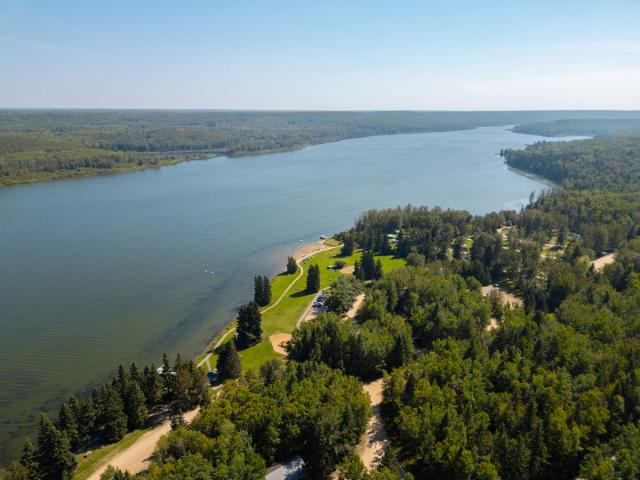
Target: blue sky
{"points": [[278, 54]]}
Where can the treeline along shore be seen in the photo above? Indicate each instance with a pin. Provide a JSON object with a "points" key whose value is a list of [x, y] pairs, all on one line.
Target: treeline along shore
{"points": [[544, 386], [37, 145]]}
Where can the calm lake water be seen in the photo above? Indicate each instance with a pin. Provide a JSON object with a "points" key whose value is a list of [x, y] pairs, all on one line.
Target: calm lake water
{"points": [[109, 270]]}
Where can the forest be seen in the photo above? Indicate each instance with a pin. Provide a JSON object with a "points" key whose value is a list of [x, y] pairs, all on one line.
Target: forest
{"points": [[474, 388], [590, 127], [47, 144]]}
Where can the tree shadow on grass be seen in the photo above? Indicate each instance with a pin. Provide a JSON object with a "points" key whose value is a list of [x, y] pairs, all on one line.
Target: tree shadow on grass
{"points": [[301, 293]]}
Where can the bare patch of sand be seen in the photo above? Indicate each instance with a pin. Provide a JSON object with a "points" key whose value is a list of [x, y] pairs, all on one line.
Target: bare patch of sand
{"points": [[492, 325], [348, 270], [279, 342], [137, 457], [600, 263], [311, 249], [506, 298], [355, 307], [371, 446]]}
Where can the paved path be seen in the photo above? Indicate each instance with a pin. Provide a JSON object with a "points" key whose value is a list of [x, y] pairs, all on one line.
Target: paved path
{"points": [[307, 315], [218, 343]]}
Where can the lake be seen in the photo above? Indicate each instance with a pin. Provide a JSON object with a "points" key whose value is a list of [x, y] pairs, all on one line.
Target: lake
{"points": [[108, 270]]}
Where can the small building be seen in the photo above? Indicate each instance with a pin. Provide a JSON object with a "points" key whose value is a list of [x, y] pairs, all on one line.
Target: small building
{"points": [[292, 469]]}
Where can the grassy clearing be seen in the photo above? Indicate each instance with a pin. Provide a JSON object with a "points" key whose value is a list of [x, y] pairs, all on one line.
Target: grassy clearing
{"points": [[283, 318], [86, 466]]}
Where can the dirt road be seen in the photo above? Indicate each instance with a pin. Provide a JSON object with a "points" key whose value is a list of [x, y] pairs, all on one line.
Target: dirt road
{"points": [[137, 457], [371, 446]]}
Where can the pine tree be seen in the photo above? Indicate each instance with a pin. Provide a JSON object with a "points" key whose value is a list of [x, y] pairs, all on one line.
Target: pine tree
{"points": [[258, 290], [68, 423], [368, 266], [165, 374], [55, 460], [152, 385], [86, 415], [357, 271], [266, 288], [401, 352], [111, 421], [377, 271], [249, 329], [134, 406], [229, 365], [292, 266], [313, 279], [348, 245], [134, 374], [29, 460], [121, 381]]}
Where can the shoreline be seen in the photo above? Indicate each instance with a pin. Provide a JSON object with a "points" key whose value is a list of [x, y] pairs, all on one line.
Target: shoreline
{"points": [[305, 251], [545, 181], [80, 174]]}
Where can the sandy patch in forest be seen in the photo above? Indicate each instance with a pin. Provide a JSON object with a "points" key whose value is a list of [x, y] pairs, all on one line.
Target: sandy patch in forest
{"points": [[355, 307], [371, 446], [506, 298], [600, 263]]}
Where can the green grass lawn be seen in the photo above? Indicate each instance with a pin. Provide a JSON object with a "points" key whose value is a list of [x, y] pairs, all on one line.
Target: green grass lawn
{"points": [[283, 318]]}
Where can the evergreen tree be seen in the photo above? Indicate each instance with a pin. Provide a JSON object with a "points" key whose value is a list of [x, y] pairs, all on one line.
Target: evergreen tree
{"points": [[377, 271], [68, 423], [401, 352], [266, 285], [458, 246], [292, 266], [86, 415], [249, 329], [120, 383], [55, 460], [368, 265], [111, 420], [134, 374], [357, 271], [29, 460], [313, 279], [152, 385], [165, 374], [348, 245], [190, 386], [229, 365], [258, 290], [262, 290], [134, 405]]}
